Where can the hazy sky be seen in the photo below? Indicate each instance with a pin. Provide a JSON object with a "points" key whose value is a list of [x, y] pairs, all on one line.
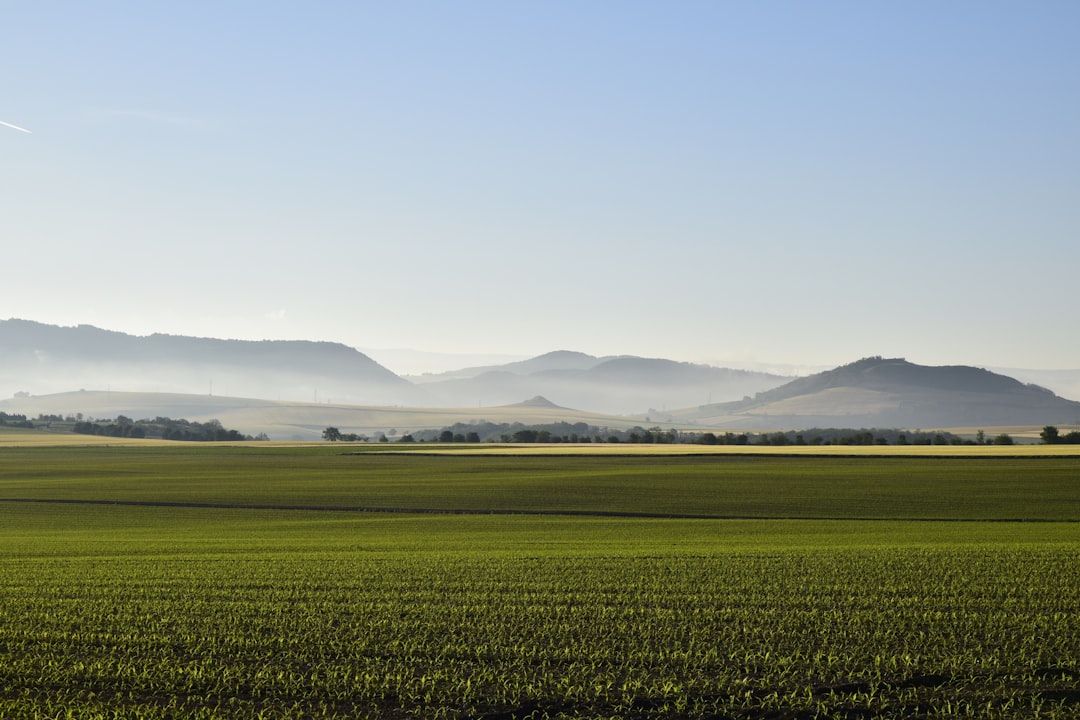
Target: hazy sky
{"points": [[799, 182]]}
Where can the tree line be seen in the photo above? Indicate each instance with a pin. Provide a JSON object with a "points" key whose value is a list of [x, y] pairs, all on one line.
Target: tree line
{"points": [[162, 427], [1052, 436], [580, 432], [7, 420]]}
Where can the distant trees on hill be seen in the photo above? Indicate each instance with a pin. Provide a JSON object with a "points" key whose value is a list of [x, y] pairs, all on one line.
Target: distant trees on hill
{"points": [[562, 432], [847, 436], [162, 427], [14, 421], [1052, 436], [332, 434]]}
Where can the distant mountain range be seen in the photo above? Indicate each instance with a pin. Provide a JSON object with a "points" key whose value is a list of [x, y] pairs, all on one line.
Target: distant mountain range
{"points": [[39, 358], [616, 385], [195, 374], [891, 392], [557, 360]]}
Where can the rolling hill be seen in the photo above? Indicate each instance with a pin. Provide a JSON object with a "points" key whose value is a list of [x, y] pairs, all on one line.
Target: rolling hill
{"points": [[299, 387], [42, 359], [295, 420], [37, 358], [883, 392], [614, 385], [556, 360]]}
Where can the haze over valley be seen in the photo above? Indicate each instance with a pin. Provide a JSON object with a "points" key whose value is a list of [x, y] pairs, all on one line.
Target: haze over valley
{"points": [[294, 389], [39, 359]]}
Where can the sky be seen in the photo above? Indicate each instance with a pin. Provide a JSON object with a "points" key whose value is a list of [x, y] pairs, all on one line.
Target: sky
{"points": [[731, 183]]}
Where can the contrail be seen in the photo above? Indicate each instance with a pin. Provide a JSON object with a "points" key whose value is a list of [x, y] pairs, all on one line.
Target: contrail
{"points": [[14, 126]]}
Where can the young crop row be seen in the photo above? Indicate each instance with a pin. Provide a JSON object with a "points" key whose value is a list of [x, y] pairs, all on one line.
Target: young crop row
{"points": [[715, 486], [987, 632]]}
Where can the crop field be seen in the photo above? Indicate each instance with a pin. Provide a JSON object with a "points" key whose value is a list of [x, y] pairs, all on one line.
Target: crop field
{"points": [[243, 582]]}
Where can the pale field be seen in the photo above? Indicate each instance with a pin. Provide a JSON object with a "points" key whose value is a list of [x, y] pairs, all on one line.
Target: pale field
{"points": [[18, 437], [833, 450], [1016, 431]]}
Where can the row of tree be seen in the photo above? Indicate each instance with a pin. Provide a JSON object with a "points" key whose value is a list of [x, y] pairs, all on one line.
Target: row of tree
{"points": [[837, 436], [7, 420], [562, 432], [164, 428], [1052, 436], [332, 434]]}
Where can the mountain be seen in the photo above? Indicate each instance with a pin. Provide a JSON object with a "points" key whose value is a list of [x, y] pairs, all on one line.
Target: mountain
{"points": [[38, 358], [414, 364], [557, 360], [1065, 383], [884, 392], [615, 385]]}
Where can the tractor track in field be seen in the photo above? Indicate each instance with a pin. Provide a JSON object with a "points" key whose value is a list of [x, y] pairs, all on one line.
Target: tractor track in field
{"points": [[375, 509], [360, 509]]}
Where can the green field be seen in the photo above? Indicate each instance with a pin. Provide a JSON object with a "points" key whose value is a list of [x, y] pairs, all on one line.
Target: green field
{"points": [[239, 582]]}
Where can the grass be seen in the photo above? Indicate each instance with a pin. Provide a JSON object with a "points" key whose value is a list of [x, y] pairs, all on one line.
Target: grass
{"points": [[176, 581], [713, 486], [76, 531]]}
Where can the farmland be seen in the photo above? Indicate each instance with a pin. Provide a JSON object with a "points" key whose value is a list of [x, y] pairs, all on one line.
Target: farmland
{"points": [[163, 581]]}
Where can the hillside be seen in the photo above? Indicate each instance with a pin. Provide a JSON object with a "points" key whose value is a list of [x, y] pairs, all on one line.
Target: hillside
{"points": [[294, 420], [43, 359], [616, 385], [881, 392], [1065, 383], [38, 358], [556, 360]]}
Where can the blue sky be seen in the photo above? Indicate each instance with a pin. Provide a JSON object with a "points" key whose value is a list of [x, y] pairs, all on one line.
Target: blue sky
{"points": [[722, 182]]}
